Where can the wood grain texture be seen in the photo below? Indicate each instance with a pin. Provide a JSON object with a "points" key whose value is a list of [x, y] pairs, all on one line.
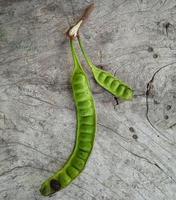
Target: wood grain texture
{"points": [[134, 157]]}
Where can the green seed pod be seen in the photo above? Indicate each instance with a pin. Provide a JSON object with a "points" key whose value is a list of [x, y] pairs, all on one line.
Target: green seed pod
{"points": [[106, 80], [85, 133]]}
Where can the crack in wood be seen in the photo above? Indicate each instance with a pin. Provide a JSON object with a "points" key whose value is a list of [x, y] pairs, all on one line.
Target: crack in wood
{"points": [[148, 91], [29, 147], [25, 166], [112, 130]]}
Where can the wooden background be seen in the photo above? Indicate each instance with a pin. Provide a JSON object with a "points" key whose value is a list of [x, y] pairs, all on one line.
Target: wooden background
{"points": [[134, 156]]}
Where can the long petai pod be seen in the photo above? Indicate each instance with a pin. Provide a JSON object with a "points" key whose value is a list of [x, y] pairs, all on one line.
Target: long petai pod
{"points": [[85, 131], [106, 80]]}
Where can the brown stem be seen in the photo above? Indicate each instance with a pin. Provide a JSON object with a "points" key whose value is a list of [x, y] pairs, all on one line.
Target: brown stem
{"points": [[73, 31], [87, 12]]}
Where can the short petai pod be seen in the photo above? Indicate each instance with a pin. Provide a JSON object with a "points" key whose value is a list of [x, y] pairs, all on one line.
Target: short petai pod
{"points": [[106, 80]]}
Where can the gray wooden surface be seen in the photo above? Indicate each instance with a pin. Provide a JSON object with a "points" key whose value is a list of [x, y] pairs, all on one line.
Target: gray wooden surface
{"points": [[134, 157]]}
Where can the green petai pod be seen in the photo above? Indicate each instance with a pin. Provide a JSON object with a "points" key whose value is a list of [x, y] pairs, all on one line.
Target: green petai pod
{"points": [[106, 80], [85, 131]]}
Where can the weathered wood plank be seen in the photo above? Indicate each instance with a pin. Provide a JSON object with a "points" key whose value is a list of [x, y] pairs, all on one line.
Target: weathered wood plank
{"points": [[134, 154]]}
